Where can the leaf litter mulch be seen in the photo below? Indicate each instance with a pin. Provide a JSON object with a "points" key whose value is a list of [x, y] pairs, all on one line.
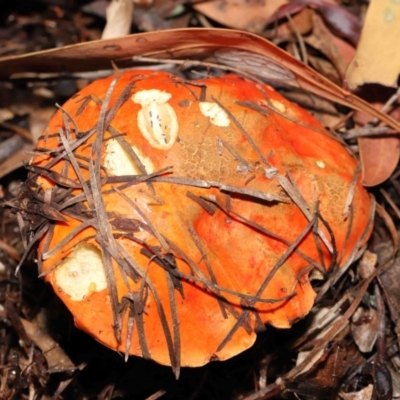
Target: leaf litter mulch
{"points": [[350, 341]]}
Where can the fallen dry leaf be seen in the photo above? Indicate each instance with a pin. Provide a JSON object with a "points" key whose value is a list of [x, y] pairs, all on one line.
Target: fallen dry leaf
{"points": [[390, 284], [363, 394], [337, 50], [341, 21], [367, 264], [199, 44], [16, 160], [39, 111], [381, 31], [299, 24], [379, 158], [364, 328], [240, 14], [379, 155], [322, 379], [57, 359], [396, 383], [320, 321], [183, 44]]}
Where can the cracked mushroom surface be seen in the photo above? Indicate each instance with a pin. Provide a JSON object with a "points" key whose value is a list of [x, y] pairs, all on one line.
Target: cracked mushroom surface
{"points": [[183, 216]]}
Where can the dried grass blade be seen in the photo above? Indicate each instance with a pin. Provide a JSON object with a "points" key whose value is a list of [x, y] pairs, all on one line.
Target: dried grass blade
{"points": [[175, 322], [68, 238], [159, 305], [317, 241], [204, 257], [60, 152], [38, 236], [350, 259], [222, 187], [46, 244], [54, 176], [294, 193], [112, 288], [138, 310], [291, 119], [130, 180], [260, 228], [79, 198], [126, 304], [350, 219], [147, 221], [350, 195], [128, 148], [235, 155], [244, 132], [253, 106], [22, 228], [201, 278], [77, 169], [209, 207], [265, 283]]}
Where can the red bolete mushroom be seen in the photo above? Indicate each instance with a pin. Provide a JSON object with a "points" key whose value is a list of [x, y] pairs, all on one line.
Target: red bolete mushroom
{"points": [[182, 216]]}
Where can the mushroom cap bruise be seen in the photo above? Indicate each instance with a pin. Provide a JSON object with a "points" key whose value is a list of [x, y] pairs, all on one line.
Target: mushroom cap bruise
{"points": [[188, 263]]}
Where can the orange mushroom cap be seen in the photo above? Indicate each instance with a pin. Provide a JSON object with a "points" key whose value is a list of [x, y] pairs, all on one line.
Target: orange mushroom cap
{"points": [[218, 198]]}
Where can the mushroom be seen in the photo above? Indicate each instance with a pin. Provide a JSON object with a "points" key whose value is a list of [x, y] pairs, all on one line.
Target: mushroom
{"points": [[183, 216]]}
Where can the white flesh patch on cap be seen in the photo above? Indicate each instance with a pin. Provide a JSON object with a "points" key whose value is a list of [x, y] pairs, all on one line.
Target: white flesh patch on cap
{"points": [[215, 113], [320, 164], [118, 162], [81, 273], [278, 105], [157, 120]]}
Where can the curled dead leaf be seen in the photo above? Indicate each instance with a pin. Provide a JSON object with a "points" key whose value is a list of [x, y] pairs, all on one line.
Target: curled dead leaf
{"points": [[240, 14], [364, 324], [379, 158], [57, 359], [379, 155], [363, 394], [180, 43], [381, 31], [341, 21]]}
